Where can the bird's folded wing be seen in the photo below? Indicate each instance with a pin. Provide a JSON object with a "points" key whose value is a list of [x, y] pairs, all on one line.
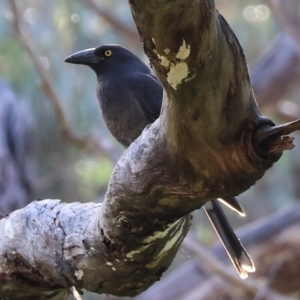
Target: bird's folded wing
{"points": [[147, 90]]}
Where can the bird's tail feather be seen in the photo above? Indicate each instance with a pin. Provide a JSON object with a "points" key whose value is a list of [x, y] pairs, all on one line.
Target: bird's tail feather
{"points": [[234, 248], [233, 204]]}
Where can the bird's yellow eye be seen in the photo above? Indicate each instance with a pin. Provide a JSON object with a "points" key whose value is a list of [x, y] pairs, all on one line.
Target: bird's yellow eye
{"points": [[108, 53]]}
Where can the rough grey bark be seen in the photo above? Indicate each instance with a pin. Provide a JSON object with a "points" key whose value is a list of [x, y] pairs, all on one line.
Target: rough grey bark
{"points": [[210, 141]]}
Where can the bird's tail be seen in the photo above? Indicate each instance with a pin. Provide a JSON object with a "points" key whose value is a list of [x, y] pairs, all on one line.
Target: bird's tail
{"points": [[233, 204], [233, 246]]}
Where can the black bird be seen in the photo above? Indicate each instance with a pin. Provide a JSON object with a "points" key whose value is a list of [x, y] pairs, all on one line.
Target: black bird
{"points": [[130, 98], [129, 95]]}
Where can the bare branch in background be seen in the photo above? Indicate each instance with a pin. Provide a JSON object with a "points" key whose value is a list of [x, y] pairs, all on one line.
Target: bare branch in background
{"points": [[288, 14], [130, 33], [84, 143], [273, 272], [249, 286], [288, 110], [281, 57]]}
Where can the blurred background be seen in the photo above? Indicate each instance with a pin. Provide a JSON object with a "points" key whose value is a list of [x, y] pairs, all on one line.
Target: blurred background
{"points": [[54, 143]]}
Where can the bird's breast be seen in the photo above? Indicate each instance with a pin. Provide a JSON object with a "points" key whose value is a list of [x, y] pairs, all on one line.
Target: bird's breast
{"points": [[122, 114]]}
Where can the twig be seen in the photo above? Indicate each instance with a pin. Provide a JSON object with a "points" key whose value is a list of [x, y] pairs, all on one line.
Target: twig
{"points": [[80, 142], [249, 286]]}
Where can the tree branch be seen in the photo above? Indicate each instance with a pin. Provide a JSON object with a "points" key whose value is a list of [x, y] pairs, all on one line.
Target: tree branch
{"points": [[210, 141], [288, 16]]}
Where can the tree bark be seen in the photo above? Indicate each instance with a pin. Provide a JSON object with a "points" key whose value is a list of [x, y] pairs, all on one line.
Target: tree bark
{"points": [[210, 141]]}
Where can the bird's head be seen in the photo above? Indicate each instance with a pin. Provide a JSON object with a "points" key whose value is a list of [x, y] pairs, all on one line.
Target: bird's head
{"points": [[103, 58]]}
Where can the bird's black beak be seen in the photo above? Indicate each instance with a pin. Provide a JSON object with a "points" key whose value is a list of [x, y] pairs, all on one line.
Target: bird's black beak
{"points": [[84, 57]]}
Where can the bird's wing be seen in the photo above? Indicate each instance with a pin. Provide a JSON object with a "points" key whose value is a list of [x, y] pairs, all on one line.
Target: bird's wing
{"points": [[147, 90]]}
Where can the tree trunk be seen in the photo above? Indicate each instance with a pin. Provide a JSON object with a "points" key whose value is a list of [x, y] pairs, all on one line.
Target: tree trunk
{"points": [[210, 141]]}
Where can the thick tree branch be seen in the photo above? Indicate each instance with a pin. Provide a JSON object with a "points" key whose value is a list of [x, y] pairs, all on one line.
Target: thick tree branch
{"points": [[217, 115], [210, 141], [65, 247]]}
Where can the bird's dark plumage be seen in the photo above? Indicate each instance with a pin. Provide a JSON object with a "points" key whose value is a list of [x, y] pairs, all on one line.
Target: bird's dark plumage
{"points": [[130, 98], [235, 250], [129, 95]]}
